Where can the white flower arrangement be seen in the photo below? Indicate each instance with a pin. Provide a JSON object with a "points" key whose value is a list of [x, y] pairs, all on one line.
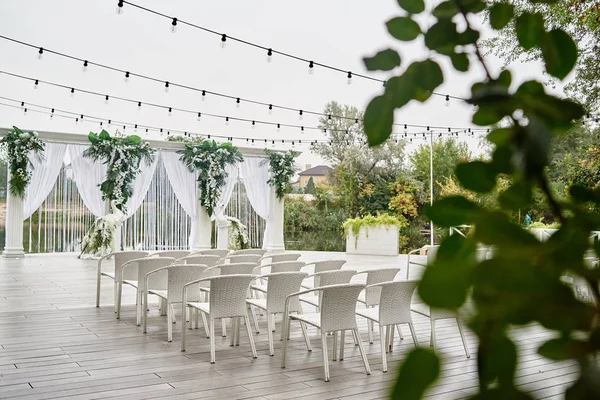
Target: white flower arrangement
{"points": [[237, 234], [15, 148]]}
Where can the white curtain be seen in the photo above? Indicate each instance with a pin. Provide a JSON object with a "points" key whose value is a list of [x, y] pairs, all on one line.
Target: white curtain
{"points": [[182, 181], [43, 177], [140, 187], [255, 174], [226, 190], [88, 175]]}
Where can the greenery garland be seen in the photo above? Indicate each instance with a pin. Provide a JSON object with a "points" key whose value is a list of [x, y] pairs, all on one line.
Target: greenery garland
{"points": [[16, 147], [123, 156], [210, 160], [282, 168], [353, 225]]}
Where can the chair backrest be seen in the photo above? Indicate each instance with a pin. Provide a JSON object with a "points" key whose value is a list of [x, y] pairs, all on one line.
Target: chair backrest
{"points": [[170, 253], [121, 257], [282, 257], [228, 295], [284, 266], [244, 258], [279, 286], [210, 260], [327, 278], [259, 252], [246, 268], [212, 252], [338, 306], [180, 275], [157, 281], [328, 265], [431, 253], [374, 276], [394, 306]]}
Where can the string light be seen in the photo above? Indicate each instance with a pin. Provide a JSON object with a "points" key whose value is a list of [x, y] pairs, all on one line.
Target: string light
{"points": [[72, 92], [199, 116], [139, 105], [120, 7], [253, 124], [302, 130], [356, 121], [40, 53], [36, 84], [349, 81], [329, 117], [52, 114], [226, 120], [311, 67], [109, 122], [278, 127], [134, 129], [167, 87], [223, 41], [203, 95], [237, 103], [126, 76], [269, 55], [174, 25], [106, 100], [270, 109], [447, 100], [170, 111], [301, 114]]}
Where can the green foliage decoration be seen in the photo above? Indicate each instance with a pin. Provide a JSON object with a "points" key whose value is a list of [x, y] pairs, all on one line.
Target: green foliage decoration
{"points": [[282, 169], [209, 159], [354, 225], [122, 156], [16, 148], [523, 282]]}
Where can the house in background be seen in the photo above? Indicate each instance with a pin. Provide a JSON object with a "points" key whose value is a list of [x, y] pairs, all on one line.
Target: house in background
{"points": [[318, 174]]}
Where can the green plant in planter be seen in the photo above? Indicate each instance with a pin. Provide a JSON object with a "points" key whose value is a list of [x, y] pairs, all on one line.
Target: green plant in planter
{"points": [[353, 225]]}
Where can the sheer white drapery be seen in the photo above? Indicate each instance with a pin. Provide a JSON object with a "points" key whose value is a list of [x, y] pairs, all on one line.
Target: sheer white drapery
{"points": [[226, 190], [44, 174], [182, 181], [255, 174], [88, 175], [140, 186]]}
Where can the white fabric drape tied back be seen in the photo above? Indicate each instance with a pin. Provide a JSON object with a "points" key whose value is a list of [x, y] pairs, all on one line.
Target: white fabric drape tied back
{"points": [[141, 184], [88, 174], [255, 174], [226, 190]]}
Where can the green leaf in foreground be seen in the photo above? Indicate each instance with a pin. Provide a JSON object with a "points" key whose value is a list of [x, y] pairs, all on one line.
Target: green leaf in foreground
{"points": [[559, 52], [530, 29], [403, 28], [477, 176], [384, 60], [460, 61], [412, 6], [378, 120], [418, 371], [501, 14], [453, 211]]}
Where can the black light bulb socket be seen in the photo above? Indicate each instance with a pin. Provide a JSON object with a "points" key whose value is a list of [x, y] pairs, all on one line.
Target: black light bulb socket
{"points": [[127, 74], [204, 93], [301, 112], [253, 123], [72, 90], [349, 75], [174, 22], [270, 106], [329, 116], [37, 82], [166, 84], [170, 109], [269, 52], [120, 4], [226, 119], [85, 63], [238, 100], [139, 103], [199, 115], [223, 38], [447, 98], [41, 51], [311, 64], [106, 98]]}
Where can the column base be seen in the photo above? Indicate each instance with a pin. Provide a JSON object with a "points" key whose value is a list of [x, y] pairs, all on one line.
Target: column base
{"points": [[200, 248], [13, 252], [275, 247]]}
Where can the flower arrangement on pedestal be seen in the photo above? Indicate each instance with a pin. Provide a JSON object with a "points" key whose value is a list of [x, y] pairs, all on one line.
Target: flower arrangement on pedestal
{"points": [[123, 156], [282, 169], [100, 239], [237, 234], [16, 148], [209, 159]]}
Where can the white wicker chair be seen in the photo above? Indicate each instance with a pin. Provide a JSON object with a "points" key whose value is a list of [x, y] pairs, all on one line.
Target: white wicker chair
{"points": [[370, 296], [326, 278], [431, 253], [279, 286], [393, 309], [243, 258], [437, 314], [144, 265], [210, 260], [227, 300], [176, 254], [338, 309], [323, 266], [273, 258], [259, 252], [178, 275], [273, 268], [212, 252], [121, 257]]}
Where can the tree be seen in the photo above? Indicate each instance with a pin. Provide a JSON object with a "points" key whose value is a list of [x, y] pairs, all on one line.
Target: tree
{"points": [[310, 186], [578, 18], [446, 154]]}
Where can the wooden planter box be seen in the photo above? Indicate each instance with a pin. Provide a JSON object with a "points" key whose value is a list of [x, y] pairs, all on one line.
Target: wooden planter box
{"points": [[381, 241]]}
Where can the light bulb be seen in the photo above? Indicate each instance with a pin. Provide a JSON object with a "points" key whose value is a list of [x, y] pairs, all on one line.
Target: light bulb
{"points": [[447, 100], [120, 8], [106, 100], [278, 128], [72, 92], [300, 114], [135, 128], [170, 111], [52, 114], [269, 55], [311, 67], [85, 66], [166, 87], [24, 111], [126, 76], [270, 109], [139, 106], [36, 84], [253, 124], [174, 25], [237, 103], [40, 53], [272, 143], [223, 41], [302, 130], [203, 95], [349, 80], [293, 144], [109, 122], [226, 120], [199, 115], [76, 121]]}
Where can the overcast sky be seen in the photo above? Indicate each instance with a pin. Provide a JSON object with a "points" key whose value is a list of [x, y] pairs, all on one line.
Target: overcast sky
{"points": [[335, 32]]}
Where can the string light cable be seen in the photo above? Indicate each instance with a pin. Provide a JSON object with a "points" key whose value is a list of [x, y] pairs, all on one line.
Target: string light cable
{"points": [[168, 84], [55, 112], [199, 115]]}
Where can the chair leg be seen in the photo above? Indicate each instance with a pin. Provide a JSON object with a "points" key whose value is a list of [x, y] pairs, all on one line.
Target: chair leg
{"points": [[414, 336], [305, 334], [325, 355], [284, 328], [138, 309], [362, 352], [239, 321], [250, 337], [169, 322], [118, 304], [206, 324], [399, 332], [223, 328], [370, 330], [232, 335], [270, 333], [145, 311], [387, 338], [462, 336], [432, 338], [99, 279], [342, 340], [116, 293], [183, 327], [383, 351], [335, 345], [391, 328], [272, 316], [253, 313], [355, 339], [212, 340]]}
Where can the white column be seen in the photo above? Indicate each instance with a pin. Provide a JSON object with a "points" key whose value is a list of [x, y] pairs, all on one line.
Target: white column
{"points": [[202, 230], [222, 233], [275, 223], [13, 247]]}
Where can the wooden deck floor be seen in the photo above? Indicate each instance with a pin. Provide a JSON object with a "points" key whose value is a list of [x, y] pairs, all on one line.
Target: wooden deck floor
{"points": [[54, 343]]}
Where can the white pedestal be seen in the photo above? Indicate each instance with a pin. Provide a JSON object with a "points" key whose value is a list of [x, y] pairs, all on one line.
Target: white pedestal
{"points": [[200, 236], [222, 234], [382, 241], [118, 241], [13, 247], [274, 237]]}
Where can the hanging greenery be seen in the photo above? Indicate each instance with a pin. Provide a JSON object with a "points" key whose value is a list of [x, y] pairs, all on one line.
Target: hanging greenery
{"points": [[237, 234], [209, 159], [15, 149], [282, 168], [123, 156]]}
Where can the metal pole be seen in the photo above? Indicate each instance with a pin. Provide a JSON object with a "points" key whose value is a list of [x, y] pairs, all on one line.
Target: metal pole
{"points": [[431, 180]]}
